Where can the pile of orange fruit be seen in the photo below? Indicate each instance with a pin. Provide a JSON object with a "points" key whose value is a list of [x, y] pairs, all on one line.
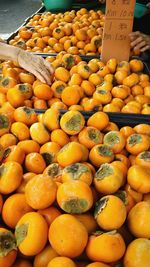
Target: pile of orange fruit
{"points": [[73, 193], [74, 32], [79, 85]]}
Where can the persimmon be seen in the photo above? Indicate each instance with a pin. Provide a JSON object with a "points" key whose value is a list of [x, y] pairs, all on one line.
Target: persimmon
{"points": [[98, 120], [137, 90], [43, 91], [29, 146], [34, 162], [137, 196], [115, 140], [3, 98], [26, 178], [105, 85], [50, 214], [14, 153], [25, 115], [139, 214], [137, 143], [95, 79], [31, 225], [63, 228], [5, 124], [22, 263], [137, 253], [90, 136], [108, 179], [109, 242], [11, 176], [112, 64], [91, 104], [1, 203], [147, 91], [15, 97], [54, 171], [51, 119], [62, 74], [100, 154], [61, 262], [57, 87], [55, 137], [72, 122], [124, 65], [84, 70], [76, 107], [6, 83], [136, 65], [74, 197], [20, 130], [45, 194], [143, 159], [142, 129], [69, 154], [44, 257], [14, 208], [97, 264], [26, 78], [138, 178], [127, 131], [103, 96], [39, 133], [112, 126], [111, 108], [75, 79], [49, 152], [120, 165], [9, 251], [120, 91], [142, 99], [77, 171], [103, 209], [88, 221], [70, 96]]}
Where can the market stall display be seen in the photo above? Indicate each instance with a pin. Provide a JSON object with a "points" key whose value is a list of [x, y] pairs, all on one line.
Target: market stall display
{"points": [[75, 155]]}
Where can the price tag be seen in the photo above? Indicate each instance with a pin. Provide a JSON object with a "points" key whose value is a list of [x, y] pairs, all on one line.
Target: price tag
{"points": [[118, 25]]}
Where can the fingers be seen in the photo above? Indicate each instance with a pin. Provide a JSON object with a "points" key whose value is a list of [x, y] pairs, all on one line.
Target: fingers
{"points": [[140, 45], [36, 65], [39, 65], [49, 66], [147, 47], [137, 41], [38, 75]]}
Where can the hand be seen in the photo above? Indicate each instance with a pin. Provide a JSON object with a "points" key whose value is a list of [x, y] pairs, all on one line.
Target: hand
{"points": [[140, 41], [41, 68], [148, 5]]}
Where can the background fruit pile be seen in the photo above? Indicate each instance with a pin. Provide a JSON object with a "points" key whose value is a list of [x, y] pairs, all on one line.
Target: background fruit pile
{"points": [[79, 85], [73, 192], [76, 32]]}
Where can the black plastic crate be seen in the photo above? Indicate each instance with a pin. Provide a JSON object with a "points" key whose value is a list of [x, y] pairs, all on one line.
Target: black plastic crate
{"points": [[121, 119]]}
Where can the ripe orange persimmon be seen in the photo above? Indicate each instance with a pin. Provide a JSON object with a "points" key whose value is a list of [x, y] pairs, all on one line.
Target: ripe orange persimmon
{"points": [[62, 228]]}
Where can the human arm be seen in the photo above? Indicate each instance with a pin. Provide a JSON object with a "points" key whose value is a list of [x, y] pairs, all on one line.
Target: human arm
{"points": [[140, 41], [41, 68]]}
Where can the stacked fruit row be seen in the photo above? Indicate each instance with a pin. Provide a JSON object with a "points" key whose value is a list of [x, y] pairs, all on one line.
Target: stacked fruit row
{"points": [[73, 192], [73, 32], [76, 32], [78, 85]]}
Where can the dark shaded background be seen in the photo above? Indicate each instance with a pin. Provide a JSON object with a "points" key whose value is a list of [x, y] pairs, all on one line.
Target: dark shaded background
{"points": [[14, 12]]}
